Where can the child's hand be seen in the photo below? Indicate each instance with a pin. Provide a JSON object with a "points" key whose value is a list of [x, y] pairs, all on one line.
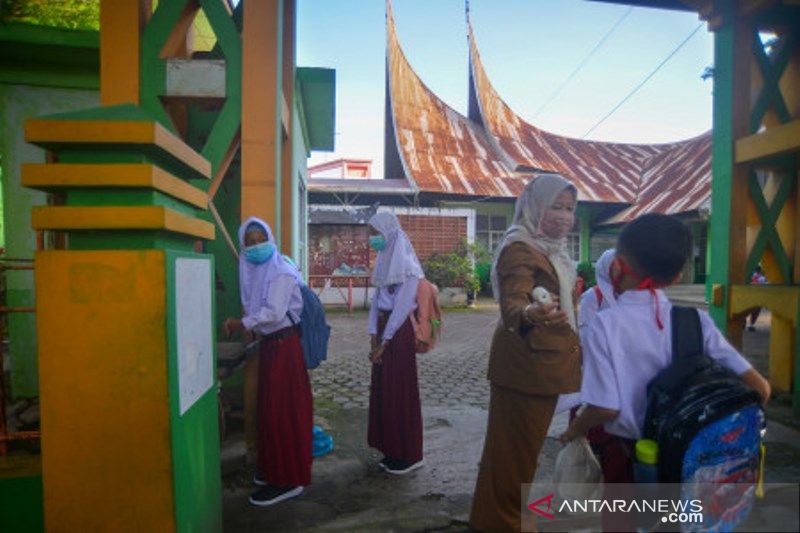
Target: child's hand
{"points": [[570, 434], [753, 379], [376, 354], [373, 342], [231, 326]]}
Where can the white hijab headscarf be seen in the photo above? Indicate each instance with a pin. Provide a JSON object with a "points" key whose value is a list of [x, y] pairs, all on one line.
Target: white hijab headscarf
{"points": [[254, 279], [397, 261], [538, 195], [603, 276]]}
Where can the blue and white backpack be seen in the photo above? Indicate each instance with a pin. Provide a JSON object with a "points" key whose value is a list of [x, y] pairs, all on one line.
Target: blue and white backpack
{"points": [[708, 427]]}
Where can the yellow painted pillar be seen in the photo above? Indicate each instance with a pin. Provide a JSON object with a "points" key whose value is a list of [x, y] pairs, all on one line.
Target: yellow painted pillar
{"points": [[121, 23], [781, 350], [260, 152], [261, 156]]}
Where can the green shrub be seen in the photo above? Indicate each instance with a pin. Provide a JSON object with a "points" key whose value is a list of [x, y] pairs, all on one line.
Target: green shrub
{"points": [[586, 271], [455, 269]]}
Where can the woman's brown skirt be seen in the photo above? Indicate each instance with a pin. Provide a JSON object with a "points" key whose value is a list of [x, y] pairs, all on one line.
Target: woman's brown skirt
{"points": [[517, 428]]}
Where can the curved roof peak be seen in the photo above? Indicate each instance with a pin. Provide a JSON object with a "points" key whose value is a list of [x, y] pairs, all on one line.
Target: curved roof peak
{"points": [[439, 149], [602, 171]]}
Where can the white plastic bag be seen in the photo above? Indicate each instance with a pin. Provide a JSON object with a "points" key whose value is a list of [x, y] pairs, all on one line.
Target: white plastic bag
{"points": [[578, 475]]}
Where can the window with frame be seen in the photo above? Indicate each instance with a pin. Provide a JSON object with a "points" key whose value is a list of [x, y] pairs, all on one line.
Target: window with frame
{"points": [[302, 237], [489, 230], [574, 246]]}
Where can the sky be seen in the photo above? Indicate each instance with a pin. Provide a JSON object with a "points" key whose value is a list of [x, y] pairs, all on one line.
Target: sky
{"points": [[528, 48]]}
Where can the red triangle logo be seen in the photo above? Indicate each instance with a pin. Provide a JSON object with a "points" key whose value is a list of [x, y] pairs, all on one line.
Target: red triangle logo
{"points": [[535, 506]]}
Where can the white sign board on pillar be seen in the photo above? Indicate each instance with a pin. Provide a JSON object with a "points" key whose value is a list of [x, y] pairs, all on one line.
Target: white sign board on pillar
{"points": [[193, 329]]}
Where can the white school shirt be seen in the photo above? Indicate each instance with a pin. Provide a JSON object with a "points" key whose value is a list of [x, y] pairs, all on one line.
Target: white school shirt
{"points": [[401, 304], [623, 350], [283, 295], [587, 309]]}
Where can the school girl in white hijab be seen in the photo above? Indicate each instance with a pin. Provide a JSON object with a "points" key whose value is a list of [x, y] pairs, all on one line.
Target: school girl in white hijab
{"points": [[593, 300], [272, 303], [395, 415]]}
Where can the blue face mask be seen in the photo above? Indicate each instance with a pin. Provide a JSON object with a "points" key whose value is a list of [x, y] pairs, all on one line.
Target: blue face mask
{"points": [[259, 253], [377, 242]]}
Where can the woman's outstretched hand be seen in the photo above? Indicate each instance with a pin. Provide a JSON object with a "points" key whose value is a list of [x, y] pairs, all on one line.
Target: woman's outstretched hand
{"points": [[546, 315]]}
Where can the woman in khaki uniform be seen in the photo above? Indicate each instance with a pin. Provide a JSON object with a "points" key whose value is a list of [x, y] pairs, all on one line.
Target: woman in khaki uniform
{"points": [[535, 353]]}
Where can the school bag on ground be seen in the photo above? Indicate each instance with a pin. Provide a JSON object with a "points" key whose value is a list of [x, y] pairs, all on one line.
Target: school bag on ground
{"points": [[427, 318], [314, 330], [707, 423]]}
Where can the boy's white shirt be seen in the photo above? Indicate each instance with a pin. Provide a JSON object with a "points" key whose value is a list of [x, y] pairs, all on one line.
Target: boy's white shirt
{"points": [[623, 350], [588, 308]]}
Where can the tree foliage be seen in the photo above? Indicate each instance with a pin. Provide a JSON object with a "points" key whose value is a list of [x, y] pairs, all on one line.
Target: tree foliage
{"points": [[71, 14]]}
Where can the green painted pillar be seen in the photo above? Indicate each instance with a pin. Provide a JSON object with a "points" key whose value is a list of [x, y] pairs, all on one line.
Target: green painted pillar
{"points": [[730, 110], [584, 219]]}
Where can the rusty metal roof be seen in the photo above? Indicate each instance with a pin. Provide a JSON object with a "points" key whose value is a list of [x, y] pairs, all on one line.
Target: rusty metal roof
{"points": [[665, 178], [675, 181], [441, 150], [494, 152]]}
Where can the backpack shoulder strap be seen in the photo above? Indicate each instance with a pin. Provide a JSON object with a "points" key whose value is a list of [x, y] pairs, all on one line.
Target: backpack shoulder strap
{"points": [[687, 333], [599, 295]]}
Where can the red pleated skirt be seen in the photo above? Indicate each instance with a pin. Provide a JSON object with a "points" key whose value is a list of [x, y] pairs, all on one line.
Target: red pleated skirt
{"points": [[395, 415], [285, 414]]}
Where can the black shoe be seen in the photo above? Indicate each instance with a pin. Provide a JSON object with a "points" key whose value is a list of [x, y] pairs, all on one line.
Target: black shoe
{"points": [[400, 467], [751, 328], [383, 462], [270, 495], [260, 481]]}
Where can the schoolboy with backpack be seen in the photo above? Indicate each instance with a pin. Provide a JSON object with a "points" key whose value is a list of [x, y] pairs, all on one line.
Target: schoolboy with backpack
{"points": [[656, 370]]}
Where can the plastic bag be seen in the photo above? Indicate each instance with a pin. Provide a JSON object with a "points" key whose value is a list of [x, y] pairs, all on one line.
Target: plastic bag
{"points": [[578, 475]]}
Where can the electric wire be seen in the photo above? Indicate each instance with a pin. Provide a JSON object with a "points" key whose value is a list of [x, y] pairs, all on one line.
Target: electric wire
{"points": [[645, 80], [583, 62]]}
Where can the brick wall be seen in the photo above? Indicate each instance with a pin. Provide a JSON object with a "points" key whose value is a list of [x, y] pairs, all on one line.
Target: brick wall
{"points": [[331, 245], [432, 234]]}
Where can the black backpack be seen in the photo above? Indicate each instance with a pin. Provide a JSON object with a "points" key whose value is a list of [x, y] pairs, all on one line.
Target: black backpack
{"points": [[706, 421]]}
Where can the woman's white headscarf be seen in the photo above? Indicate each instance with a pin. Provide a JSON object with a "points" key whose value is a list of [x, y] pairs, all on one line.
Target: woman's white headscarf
{"points": [[603, 276], [538, 195], [254, 279], [397, 261]]}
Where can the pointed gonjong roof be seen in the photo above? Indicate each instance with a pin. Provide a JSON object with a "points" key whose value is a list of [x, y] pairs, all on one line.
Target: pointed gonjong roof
{"points": [[441, 150], [494, 152]]}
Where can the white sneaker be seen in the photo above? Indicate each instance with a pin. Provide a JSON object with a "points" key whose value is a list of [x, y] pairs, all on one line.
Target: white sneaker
{"points": [[270, 495], [402, 467]]}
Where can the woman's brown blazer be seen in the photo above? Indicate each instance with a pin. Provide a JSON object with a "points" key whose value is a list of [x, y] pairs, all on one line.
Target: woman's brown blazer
{"points": [[541, 360]]}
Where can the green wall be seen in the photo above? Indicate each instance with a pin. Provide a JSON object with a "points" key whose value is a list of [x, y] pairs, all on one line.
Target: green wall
{"points": [[299, 177], [18, 103]]}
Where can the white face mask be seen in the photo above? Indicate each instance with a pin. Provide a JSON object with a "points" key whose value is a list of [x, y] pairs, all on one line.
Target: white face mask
{"points": [[559, 218]]}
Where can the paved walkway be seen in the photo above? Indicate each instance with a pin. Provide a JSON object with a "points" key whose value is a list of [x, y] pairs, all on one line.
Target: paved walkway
{"points": [[349, 492], [454, 374]]}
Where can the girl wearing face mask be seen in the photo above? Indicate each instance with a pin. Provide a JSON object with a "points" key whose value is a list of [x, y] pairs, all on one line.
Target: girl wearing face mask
{"points": [[395, 416], [535, 352], [272, 303]]}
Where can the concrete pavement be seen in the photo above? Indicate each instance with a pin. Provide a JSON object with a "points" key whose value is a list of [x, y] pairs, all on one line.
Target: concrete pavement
{"points": [[349, 492]]}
